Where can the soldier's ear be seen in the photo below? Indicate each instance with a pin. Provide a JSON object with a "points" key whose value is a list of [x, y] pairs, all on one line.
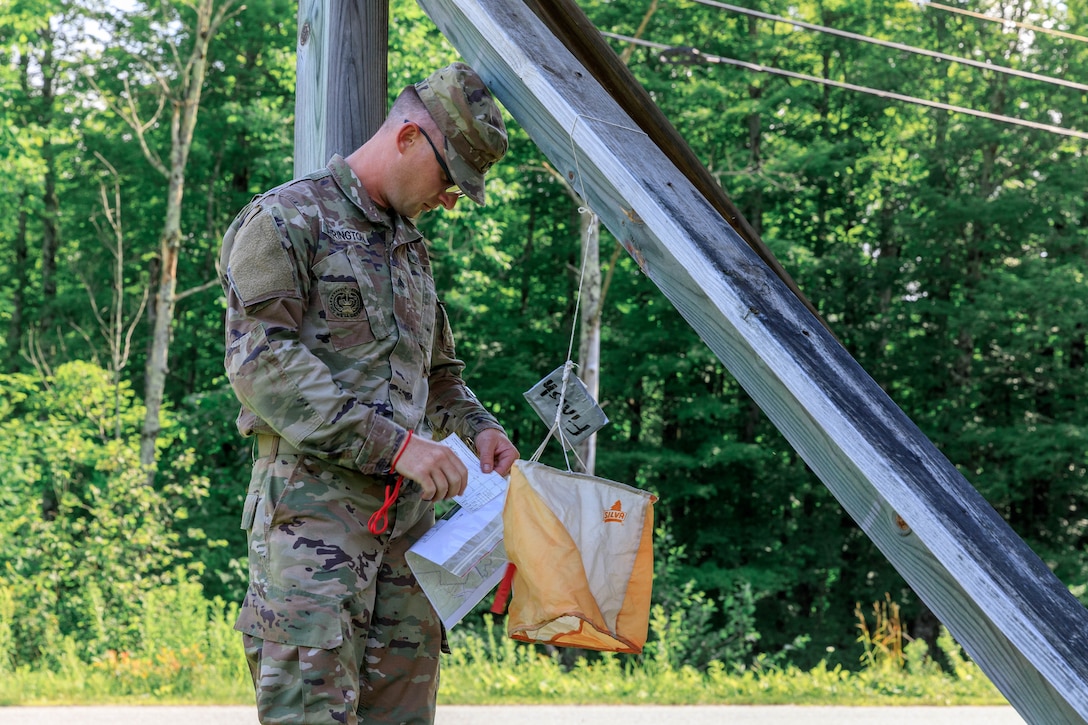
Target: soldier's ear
{"points": [[407, 134]]}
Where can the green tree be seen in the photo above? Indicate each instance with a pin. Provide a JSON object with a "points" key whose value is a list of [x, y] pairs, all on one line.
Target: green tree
{"points": [[921, 235], [946, 252], [85, 536], [175, 82], [39, 40]]}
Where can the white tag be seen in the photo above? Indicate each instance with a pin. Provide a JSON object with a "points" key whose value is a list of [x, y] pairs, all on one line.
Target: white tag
{"points": [[581, 416]]}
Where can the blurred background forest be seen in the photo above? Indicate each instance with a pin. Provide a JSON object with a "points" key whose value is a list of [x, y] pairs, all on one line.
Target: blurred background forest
{"points": [[947, 252]]}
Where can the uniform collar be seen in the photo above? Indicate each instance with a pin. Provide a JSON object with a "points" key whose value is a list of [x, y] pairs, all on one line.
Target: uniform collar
{"points": [[403, 229]]}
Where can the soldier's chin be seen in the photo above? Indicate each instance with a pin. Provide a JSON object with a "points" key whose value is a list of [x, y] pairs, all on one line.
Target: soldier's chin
{"points": [[410, 214]]}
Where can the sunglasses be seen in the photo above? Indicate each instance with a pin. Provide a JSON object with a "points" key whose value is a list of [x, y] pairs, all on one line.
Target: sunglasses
{"points": [[441, 162]]}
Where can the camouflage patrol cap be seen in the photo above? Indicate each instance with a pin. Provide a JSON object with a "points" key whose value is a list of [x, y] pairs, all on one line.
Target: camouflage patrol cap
{"points": [[470, 121]]}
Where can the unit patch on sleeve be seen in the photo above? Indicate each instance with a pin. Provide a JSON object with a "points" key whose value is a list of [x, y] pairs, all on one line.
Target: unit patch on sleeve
{"points": [[259, 267]]}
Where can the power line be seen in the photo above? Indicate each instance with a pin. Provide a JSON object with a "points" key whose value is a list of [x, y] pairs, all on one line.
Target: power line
{"points": [[986, 65], [1004, 21], [698, 56]]}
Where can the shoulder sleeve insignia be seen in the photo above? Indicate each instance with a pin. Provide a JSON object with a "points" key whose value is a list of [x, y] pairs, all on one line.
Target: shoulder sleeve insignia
{"points": [[260, 267]]}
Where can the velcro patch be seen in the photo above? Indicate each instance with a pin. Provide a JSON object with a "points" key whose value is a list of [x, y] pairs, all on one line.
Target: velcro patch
{"points": [[260, 268], [345, 302]]}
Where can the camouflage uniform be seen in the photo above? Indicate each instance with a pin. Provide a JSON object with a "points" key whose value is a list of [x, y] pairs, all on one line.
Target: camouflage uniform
{"points": [[336, 348]]}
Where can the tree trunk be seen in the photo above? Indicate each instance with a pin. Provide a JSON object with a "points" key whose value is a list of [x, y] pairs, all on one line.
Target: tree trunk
{"points": [[18, 295], [51, 213], [182, 125], [754, 206], [589, 349]]}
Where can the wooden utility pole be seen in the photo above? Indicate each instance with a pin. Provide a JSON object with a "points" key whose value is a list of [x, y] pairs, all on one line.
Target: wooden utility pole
{"points": [[342, 77], [997, 597]]}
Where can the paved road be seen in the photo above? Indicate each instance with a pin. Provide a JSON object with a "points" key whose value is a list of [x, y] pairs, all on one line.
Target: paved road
{"points": [[533, 715]]}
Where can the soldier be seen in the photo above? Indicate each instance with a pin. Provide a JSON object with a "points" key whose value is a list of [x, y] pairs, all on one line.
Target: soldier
{"points": [[338, 349]]}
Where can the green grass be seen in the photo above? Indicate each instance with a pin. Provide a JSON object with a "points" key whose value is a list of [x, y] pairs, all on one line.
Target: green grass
{"points": [[188, 675], [486, 668], [489, 669]]}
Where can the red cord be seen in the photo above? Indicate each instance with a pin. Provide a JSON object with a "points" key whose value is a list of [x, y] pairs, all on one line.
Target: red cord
{"points": [[379, 520], [393, 468]]}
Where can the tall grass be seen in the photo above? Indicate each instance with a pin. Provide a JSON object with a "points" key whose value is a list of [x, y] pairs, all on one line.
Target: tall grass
{"points": [[192, 655], [488, 668]]}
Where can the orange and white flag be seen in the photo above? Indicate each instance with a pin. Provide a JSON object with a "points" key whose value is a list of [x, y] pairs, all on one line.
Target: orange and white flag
{"points": [[583, 551]]}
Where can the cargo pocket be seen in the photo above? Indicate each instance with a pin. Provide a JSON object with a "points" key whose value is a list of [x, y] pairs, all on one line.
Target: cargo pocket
{"points": [[258, 483], [352, 311], [249, 509], [292, 617]]}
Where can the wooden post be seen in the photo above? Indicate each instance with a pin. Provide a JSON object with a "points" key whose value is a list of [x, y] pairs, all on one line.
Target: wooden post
{"points": [[1014, 617], [342, 77]]}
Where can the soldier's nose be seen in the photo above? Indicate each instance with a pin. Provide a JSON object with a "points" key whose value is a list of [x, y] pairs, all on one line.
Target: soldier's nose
{"points": [[449, 199]]}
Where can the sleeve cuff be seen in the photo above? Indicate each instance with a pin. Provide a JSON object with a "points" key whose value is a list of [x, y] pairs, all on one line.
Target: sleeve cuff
{"points": [[380, 447]]}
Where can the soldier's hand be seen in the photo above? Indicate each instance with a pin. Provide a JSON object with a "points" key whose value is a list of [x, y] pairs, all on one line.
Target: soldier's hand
{"points": [[496, 451], [436, 468]]}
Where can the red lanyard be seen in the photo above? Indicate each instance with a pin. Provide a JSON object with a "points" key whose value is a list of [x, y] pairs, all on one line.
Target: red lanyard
{"points": [[379, 520]]}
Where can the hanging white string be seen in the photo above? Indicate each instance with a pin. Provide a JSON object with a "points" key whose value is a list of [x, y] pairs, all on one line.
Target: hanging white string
{"points": [[557, 428]]}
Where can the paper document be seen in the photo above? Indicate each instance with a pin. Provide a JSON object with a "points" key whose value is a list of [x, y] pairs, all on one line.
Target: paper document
{"points": [[462, 557], [482, 487]]}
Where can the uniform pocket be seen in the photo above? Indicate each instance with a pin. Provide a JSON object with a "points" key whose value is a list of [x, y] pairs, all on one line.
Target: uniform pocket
{"points": [[292, 617], [352, 302], [249, 509], [415, 291], [288, 600], [257, 495]]}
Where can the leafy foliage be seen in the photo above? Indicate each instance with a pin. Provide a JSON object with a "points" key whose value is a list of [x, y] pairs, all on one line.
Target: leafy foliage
{"points": [[188, 653], [85, 537], [946, 252], [488, 668], [684, 628]]}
